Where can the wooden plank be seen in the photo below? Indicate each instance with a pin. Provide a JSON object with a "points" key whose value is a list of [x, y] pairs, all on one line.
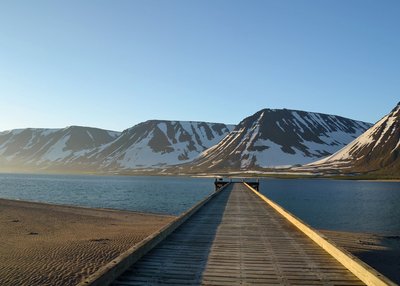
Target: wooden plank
{"points": [[360, 269], [109, 272], [236, 239]]}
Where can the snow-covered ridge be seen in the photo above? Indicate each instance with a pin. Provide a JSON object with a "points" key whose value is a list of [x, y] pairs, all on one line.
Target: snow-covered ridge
{"points": [[377, 144], [43, 147], [157, 143], [153, 143], [269, 138], [275, 138]]}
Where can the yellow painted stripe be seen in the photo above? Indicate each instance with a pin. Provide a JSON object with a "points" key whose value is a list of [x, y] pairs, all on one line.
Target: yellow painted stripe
{"points": [[360, 269]]}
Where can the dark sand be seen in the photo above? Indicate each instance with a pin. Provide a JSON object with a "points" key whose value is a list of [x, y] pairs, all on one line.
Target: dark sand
{"points": [[43, 244], [379, 251]]}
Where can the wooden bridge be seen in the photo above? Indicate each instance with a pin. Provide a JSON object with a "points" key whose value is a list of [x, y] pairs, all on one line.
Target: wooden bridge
{"points": [[236, 238]]}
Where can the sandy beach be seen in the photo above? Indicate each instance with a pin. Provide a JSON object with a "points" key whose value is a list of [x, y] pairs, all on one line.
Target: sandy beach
{"points": [[44, 244]]}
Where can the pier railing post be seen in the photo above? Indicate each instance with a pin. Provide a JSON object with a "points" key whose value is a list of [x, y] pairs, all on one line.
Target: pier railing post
{"points": [[219, 183], [255, 185]]}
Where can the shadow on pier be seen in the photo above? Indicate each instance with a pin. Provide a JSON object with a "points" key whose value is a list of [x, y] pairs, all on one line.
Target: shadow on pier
{"points": [[236, 239], [182, 257]]}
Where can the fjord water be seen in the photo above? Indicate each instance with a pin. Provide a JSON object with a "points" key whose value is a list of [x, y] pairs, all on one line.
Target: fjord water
{"points": [[358, 206], [165, 195], [325, 204]]}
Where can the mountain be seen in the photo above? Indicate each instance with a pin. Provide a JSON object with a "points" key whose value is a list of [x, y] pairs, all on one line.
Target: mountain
{"points": [[27, 149], [151, 144], [276, 138], [269, 138], [160, 143], [377, 150]]}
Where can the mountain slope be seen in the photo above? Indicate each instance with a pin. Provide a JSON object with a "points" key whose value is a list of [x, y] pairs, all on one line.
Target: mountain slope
{"points": [[273, 137], [378, 149], [150, 144], [27, 149], [158, 143]]}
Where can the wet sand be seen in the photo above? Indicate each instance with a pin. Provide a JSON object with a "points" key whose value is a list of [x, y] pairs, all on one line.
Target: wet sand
{"points": [[379, 251], [42, 244]]}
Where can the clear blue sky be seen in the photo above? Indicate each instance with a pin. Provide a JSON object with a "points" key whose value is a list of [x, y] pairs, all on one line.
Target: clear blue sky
{"points": [[113, 64]]}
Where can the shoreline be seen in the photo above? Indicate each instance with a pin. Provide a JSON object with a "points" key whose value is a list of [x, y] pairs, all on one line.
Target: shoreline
{"points": [[381, 252], [52, 244], [258, 174], [46, 244], [81, 207]]}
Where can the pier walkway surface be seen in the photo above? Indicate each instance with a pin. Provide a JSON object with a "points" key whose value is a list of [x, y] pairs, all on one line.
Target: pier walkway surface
{"points": [[237, 239]]}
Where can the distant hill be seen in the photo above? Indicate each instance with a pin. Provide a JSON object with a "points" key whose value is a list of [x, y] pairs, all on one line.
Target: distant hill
{"points": [[160, 143], [40, 149], [150, 144], [377, 150], [278, 137], [271, 138]]}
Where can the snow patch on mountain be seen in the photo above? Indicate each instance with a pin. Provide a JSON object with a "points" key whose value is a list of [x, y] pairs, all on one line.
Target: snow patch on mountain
{"points": [[376, 148], [58, 150], [158, 143], [41, 148], [274, 137]]}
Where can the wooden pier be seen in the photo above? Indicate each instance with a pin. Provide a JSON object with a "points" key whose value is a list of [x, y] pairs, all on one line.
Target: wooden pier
{"points": [[235, 238]]}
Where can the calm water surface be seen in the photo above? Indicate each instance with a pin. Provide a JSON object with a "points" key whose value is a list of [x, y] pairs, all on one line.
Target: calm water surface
{"points": [[325, 204], [167, 195], [339, 205]]}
